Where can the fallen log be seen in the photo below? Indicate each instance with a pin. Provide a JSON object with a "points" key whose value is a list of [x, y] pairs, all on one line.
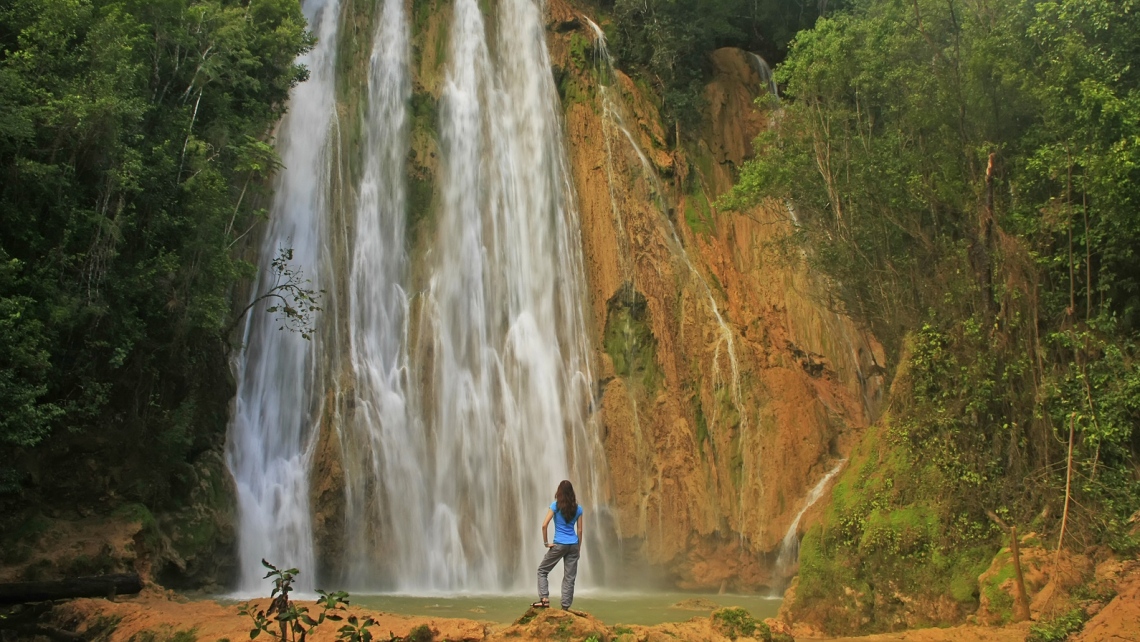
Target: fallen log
{"points": [[98, 586]]}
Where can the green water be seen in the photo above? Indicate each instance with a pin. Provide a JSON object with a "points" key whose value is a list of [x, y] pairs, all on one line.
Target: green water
{"points": [[611, 608]]}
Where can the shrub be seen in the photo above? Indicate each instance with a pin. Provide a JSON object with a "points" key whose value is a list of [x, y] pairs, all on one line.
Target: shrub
{"points": [[734, 622], [1059, 628]]}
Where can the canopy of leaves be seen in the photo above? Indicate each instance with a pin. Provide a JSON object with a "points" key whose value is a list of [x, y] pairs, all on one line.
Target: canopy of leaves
{"points": [[668, 41], [133, 157], [966, 175]]}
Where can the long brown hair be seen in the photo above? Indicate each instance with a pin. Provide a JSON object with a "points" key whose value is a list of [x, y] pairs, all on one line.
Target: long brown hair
{"points": [[567, 502]]}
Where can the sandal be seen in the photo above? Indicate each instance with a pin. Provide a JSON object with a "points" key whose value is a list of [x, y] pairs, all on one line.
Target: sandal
{"points": [[543, 603]]}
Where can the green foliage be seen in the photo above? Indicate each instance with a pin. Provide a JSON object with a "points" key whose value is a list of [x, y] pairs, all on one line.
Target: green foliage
{"points": [[668, 41], [421, 633], [135, 155], [1059, 628], [734, 622], [288, 621], [890, 529], [965, 176], [292, 297], [698, 216], [1000, 602]]}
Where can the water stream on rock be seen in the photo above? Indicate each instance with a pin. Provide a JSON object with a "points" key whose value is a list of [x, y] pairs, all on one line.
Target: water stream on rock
{"points": [[383, 445], [790, 546], [767, 77], [613, 111], [614, 122]]}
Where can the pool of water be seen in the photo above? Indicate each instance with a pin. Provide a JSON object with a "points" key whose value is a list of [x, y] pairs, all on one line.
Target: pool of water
{"points": [[611, 608]]}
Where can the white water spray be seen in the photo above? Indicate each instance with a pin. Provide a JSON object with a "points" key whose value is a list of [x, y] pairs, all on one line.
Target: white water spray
{"points": [[385, 443], [271, 439], [503, 347], [767, 77]]}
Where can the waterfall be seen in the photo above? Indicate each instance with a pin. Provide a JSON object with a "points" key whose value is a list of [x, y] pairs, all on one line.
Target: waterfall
{"points": [[456, 417], [790, 546], [503, 341], [384, 443], [278, 403], [767, 77]]}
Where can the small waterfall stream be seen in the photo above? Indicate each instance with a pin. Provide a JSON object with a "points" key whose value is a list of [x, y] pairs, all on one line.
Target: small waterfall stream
{"points": [[767, 77], [790, 546], [613, 111]]}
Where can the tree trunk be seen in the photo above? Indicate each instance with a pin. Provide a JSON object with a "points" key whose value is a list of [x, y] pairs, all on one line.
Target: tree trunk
{"points": [[1020, 599], [101, 586]]}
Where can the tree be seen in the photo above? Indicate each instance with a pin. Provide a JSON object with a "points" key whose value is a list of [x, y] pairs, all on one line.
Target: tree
{"points": [[134, 150]]}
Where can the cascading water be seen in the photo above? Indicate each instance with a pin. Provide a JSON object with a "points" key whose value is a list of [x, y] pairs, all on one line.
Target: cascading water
{"points": [[790, 546], [271, 438], [767, 77], [383, 443], [503, 343], [452, 436]]}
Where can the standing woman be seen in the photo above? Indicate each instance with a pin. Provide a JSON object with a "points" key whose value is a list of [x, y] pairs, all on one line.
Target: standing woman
{"points": [[567, 545]]}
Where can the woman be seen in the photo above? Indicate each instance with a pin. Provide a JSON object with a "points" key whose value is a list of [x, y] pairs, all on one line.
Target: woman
{"points": [[567, 545]]}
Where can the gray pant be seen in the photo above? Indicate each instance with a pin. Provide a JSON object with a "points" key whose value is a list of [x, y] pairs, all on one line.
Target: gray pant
{"points": [[569, 552]]}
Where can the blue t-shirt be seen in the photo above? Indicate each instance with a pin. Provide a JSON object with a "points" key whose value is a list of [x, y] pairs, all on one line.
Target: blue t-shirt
{"points": [[564, 532]]}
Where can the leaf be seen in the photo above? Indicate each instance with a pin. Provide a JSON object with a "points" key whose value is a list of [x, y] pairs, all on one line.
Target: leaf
{"points": [[253, 633]]}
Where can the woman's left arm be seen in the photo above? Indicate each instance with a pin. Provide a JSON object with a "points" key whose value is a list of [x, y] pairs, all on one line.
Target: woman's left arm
{"points": [[580, 518], [545, 523]]}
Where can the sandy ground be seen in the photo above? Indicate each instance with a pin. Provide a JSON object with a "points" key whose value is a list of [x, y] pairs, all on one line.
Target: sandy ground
{"points": [[164, 613], [955, 634]]}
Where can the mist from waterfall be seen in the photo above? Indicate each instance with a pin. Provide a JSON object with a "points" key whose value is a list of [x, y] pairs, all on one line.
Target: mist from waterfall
{"points": [[278, 403], [460, 392]]}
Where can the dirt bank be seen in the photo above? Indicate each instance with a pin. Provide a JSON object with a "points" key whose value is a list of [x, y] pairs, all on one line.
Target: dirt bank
{"points": [[164, 613]]}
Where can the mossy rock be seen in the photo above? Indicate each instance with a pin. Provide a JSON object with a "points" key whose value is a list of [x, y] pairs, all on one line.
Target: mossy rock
{"points": [[629, 340], [735, 622]]}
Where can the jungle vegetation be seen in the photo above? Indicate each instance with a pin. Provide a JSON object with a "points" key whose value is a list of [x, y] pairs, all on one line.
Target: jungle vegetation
{"points": [[667, 42], [966, 174], [134, 151]]}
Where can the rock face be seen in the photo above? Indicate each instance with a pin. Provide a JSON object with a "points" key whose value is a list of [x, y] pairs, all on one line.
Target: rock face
{"points": [[727, 385]]}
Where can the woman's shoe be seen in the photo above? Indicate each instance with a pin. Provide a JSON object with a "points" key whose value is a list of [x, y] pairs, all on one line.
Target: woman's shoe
{"points": [[543, 603]]}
